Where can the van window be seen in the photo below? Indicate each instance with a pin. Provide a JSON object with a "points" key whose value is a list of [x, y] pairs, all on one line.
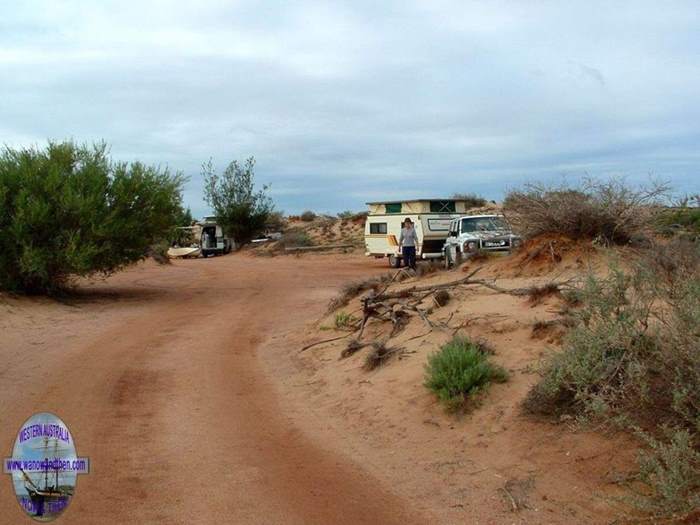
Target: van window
{"points": [[377, 227], [442, 206], [393, 207]]}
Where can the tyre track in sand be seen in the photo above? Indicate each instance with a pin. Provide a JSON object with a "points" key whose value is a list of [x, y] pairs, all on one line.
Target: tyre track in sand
{"points": [[170, 402]]}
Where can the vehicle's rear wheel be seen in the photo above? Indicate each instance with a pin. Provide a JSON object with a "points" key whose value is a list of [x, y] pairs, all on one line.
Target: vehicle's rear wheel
{"points": [[394, 261]]}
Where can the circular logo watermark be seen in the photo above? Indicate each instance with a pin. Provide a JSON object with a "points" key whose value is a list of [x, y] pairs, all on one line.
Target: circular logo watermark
{"points": [[44, 466]]}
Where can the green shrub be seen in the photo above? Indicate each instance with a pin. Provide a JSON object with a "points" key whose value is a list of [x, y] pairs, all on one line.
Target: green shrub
{"points": [[669, 469], [67, 210], [634, 346], [459, 371], [633, 359]]}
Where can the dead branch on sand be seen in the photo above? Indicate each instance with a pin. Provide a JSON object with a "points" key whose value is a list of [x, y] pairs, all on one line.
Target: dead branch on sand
{"points": [[398, 306], [311, 345]]}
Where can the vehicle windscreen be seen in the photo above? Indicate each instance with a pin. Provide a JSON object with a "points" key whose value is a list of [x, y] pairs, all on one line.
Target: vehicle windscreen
{"points": [[484, 224]]}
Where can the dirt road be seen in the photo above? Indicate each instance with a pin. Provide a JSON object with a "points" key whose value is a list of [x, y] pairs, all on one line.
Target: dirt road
{"points": [[157, 373]]}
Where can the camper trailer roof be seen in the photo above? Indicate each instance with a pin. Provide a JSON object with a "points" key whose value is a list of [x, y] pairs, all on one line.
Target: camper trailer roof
{"points": [[422, 199]]}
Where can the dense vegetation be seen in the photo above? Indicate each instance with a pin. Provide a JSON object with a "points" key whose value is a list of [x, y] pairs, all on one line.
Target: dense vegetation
{"points": [[682, 219], [68, 210], [459, 371], [633, 359], [609, 212], [242, 211]]}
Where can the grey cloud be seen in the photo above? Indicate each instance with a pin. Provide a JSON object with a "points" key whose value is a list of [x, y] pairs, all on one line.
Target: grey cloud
{"points": [[344, 102]]}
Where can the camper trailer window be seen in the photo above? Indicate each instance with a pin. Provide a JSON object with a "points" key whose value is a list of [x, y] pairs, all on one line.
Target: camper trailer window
{"points": [[393, 207], [377, 227], [442, 206]]}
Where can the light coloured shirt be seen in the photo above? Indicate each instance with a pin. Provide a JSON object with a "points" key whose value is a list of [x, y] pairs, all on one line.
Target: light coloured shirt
{"points": [[408, 237]]}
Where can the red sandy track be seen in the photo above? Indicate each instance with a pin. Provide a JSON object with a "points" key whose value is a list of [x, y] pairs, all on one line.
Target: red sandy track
{"points": [[157, 374]]}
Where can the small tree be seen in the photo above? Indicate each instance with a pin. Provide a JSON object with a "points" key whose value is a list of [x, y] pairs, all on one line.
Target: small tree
{"points": [[241, 210], [67, 210]]}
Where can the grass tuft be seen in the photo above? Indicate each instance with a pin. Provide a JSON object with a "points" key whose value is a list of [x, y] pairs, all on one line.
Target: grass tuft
{"points": [[344, 320]]}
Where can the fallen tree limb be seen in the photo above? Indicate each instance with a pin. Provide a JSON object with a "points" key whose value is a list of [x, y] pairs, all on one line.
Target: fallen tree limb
{"points": [[324, 341], [419, 289]]}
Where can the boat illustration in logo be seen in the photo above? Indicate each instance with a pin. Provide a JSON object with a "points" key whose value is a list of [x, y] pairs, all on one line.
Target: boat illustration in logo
{"points": [[44, 466]]}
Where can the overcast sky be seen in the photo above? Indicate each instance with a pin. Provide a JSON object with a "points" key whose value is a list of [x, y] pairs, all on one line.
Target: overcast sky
{"points": [[344, 102]]}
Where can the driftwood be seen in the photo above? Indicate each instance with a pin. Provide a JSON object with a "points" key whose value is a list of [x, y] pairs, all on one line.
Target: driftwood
{"points": [[397, 307]]}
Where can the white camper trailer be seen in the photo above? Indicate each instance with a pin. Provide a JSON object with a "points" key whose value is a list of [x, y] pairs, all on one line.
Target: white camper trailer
{"points": [[431, 218]]}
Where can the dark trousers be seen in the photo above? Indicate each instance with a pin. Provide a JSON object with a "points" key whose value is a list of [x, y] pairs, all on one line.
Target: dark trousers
{"points": [[409, 256]]}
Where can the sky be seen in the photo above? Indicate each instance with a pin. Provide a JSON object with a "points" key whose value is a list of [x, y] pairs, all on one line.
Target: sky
{"points": [[345, 102]]}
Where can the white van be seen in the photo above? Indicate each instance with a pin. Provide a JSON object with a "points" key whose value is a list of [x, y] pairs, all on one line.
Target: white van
{"points": [[431, 219], [212, 240]]}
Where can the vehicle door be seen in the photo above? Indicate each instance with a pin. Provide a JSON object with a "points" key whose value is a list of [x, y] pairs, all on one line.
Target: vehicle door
{"points": [[453, 233]]}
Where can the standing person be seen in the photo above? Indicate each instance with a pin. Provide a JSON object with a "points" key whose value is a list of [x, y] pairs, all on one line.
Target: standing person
{"points": [[407, 243]]}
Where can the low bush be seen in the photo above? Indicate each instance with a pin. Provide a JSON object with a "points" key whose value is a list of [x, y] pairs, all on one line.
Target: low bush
{"points": [[609, 211], [460, 370], [68, 210], [669, 471], [632, 359], [294, 238], [307, 216], [683, 219]]}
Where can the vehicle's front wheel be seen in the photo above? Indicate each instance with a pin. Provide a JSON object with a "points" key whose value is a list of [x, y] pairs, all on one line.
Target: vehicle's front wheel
{"points": [[394, 261], [448, 258]]}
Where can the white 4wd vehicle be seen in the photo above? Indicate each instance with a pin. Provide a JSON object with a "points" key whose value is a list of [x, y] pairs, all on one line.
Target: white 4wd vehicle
{"points": [[474, 233]]}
